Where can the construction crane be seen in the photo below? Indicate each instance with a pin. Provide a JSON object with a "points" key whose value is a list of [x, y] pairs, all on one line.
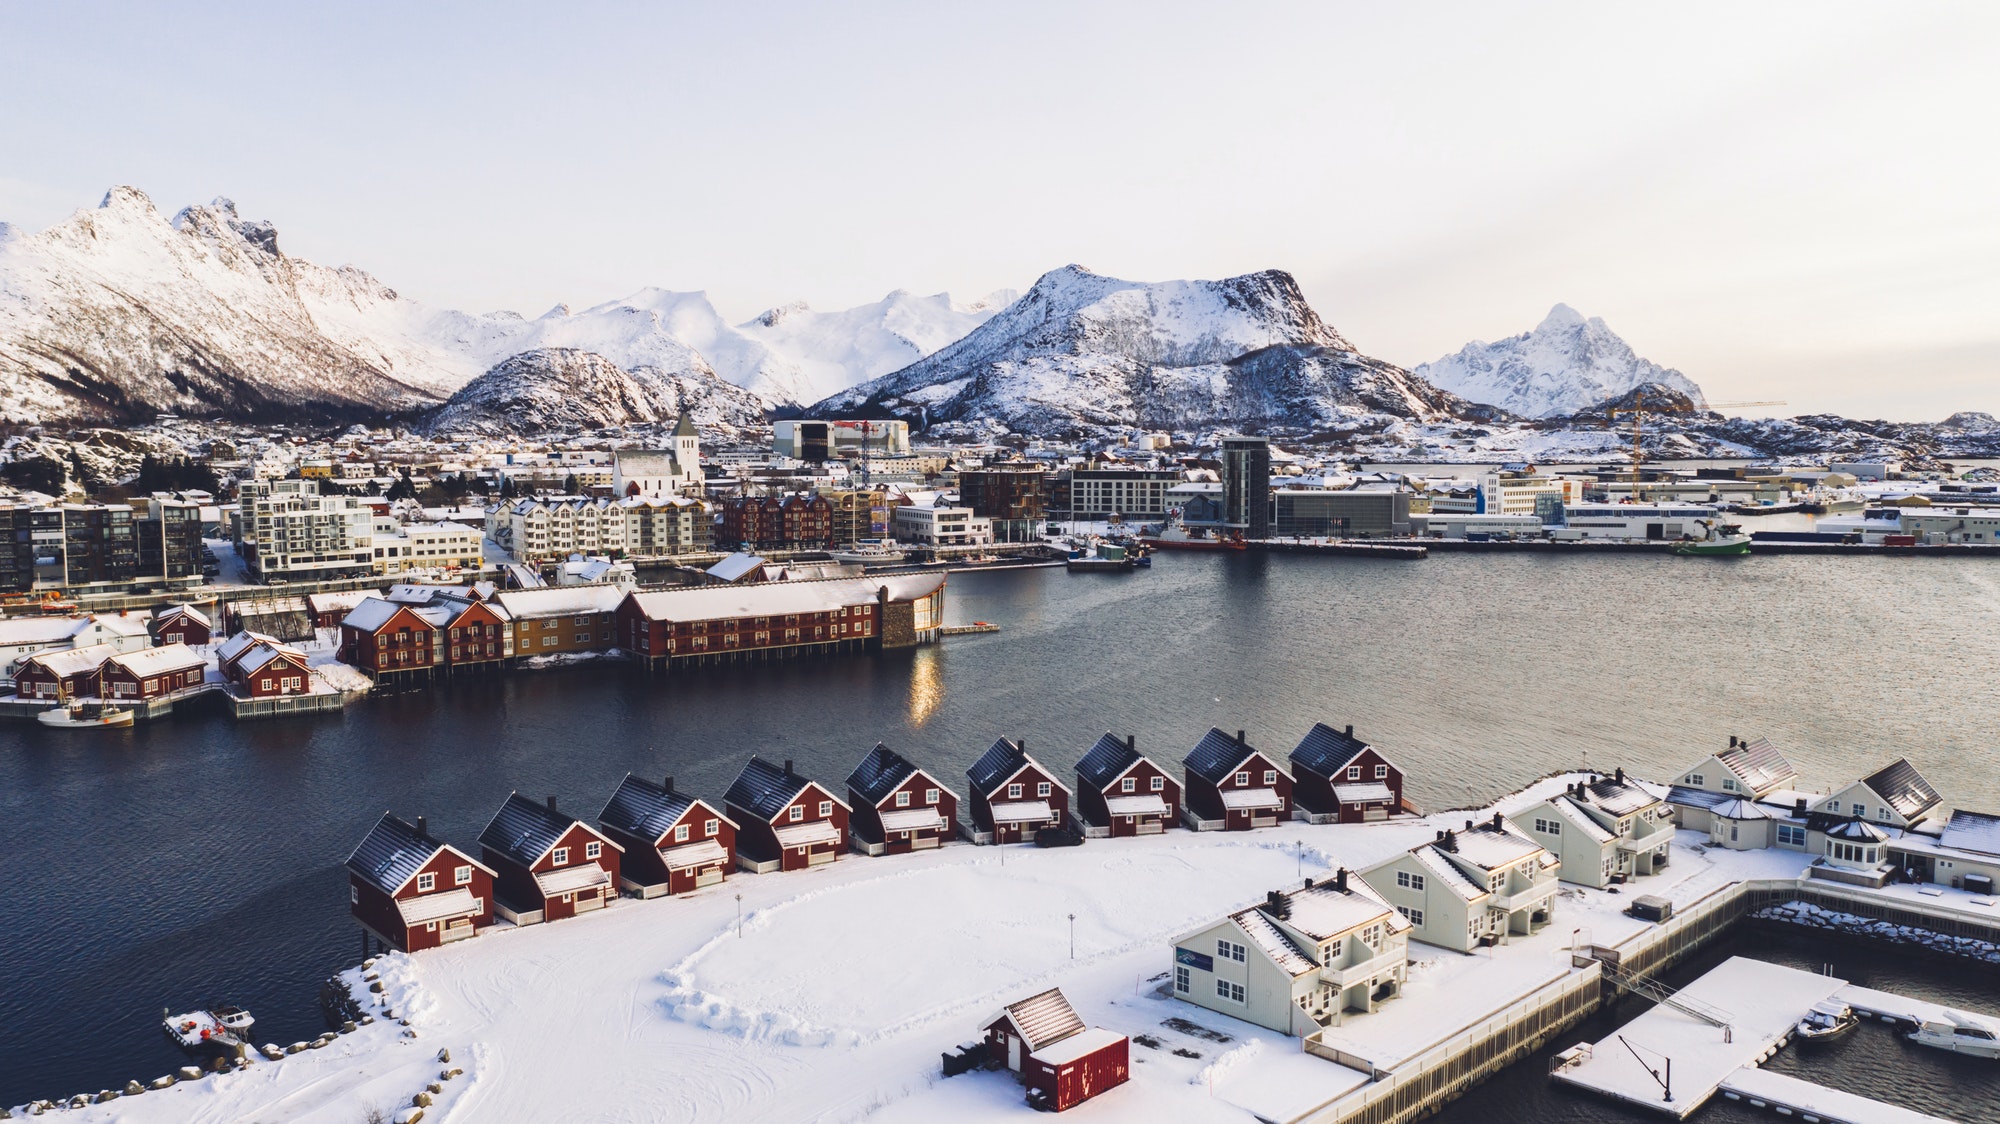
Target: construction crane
{"points": [[1638, 407]]}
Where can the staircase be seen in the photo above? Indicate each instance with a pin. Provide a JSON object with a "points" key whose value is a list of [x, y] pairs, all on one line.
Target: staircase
{"points": [[1665, 996]]}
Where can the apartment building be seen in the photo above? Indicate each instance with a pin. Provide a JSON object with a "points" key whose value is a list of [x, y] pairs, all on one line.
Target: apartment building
{"points": [[286, 530]]}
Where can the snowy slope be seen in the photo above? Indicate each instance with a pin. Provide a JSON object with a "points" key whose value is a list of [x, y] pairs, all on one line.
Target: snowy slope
{"points": [[832, 351], [1565, 365], [564, 389], [1081, 350]]}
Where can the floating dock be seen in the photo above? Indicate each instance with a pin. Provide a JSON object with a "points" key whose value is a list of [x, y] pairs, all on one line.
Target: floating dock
{"points": [[1889, 1007], [1789, 1096]]}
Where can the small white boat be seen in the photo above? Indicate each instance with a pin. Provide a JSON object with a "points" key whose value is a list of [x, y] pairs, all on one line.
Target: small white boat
{"points": [[1828, 1019], [1960, 1033], [870, 555], [77, 716], [196, 1030]]}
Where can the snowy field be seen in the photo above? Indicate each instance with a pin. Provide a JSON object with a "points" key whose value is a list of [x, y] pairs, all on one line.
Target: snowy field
{"points": [[844, 985]]}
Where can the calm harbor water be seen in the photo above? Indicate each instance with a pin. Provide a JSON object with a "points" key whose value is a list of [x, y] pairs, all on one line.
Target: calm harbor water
{"points": [[197, 859]]}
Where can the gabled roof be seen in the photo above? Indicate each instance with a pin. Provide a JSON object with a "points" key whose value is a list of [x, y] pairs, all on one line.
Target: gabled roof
{"points": [[394, 851], [1858, 831], [1216, 756], [65, 662], [1972, 831], [1323, 910], [1432, 858], [1758, 764], [189, 611], [765, 789], [647, 809], [372, 614], [263, 655], [242, 642], [1580, 819], [524, 831], [1619, 797], [735, 566], [1111, 758], [1041, 1020], [1000, 761], [1325, 751], [1266, 937], [1903, 788], [882, 772], [159, 661]]}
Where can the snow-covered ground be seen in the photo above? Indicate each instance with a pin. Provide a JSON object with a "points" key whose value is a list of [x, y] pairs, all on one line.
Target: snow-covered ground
{"points": [[843, 985]]}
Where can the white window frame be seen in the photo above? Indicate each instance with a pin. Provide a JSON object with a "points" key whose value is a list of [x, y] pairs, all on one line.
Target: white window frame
{"points": [[560, 857], [426, 882], [462, 876]]}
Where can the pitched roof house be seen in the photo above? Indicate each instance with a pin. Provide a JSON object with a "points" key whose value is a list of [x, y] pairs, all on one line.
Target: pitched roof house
{"points": [[411, 890], [1230, 781], [898, 807], [785, 821], [1896, 795], [1013, 795], [1479, 886], [1338, 778], [1061, 1061], [1605, 829], [549, 865], [1120, 791], [674, 841]]}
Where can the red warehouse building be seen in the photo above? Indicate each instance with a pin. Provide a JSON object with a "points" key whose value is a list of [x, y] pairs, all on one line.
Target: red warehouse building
{"points": [[1120, 791], [898, 807], [412, 891], [62, 673], [784, 821], [547, 865], [151, 673], [673, 842], [1061, 1061]]}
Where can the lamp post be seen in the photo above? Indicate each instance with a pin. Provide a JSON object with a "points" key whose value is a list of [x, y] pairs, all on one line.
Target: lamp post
{"points": [[1072, 936], [739, 915]]}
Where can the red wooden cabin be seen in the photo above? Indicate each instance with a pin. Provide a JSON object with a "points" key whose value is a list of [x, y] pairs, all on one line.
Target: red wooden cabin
{"points": [[673, 842], [412, 891]]}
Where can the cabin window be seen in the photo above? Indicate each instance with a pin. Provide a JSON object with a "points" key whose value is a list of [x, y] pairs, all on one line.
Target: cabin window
{"points": [[1882, 814], [354, 895], [1042, 789], [797, 812], [561, 857], [1129, 784], [1243, 778], [1182, 983], [681, 833], [1013, 792], [1833, 806], [930, 796], [1548, 827], [1159, 784], [1791, 835], [1270, 776], [1695, 779], [462, 876], [1381, 772], [1230, 991], [902, 800], [1409, 881], [1728, 785], [1229, 950], [1354, 772], [1416, 916], [426, 882], [592, 850], [826, 807], [709, 828]]}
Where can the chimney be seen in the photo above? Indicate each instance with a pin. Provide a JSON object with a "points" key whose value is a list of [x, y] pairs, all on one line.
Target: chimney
{"points": [[424, 827], [668, 784], [1340, 879], [1239, 739], [1468, 825], [1440, 836], [552, 803], [1350, 729], [1131, 742], [1496, 821], [1732, 741], [1451, 840], [1309, 883], [1620, 774], [788, 766], [1799, 806]]}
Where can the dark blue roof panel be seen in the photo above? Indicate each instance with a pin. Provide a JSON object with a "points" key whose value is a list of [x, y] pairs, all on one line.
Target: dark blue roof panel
{"points": [[644, 809], [1216, 756], [1106, 762], [1325, 751], [764, 789], [392, 851], [1003, 760], [523, 830], [879, 774]]}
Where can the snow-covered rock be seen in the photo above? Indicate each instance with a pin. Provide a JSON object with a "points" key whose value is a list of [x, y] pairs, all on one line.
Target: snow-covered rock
{"points": [[1081, 350], [566, 389], [829, 352], [1565, 365]]}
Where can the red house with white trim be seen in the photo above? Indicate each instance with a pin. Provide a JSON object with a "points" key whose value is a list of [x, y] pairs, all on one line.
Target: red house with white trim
{"points": [[1013, 796], [181, 624], [1063, 1063], [899, 807], [62, 673], [412, 891], [1230, 782], [674, 842], [548, 865], [150, 673], [1122, 792], [784, 821]]}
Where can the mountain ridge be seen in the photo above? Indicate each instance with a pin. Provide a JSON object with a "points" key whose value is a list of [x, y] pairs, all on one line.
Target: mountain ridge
{"points": [[1565, 364]]}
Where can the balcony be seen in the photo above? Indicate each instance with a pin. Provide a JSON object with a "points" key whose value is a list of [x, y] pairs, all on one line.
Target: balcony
{"points": [[1662, 833], [1527, 898], [1367, 969]]}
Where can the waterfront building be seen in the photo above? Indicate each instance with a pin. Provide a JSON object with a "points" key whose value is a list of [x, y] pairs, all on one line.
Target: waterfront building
{"points": [[25, 636], [1246, 485], [1524, 493], [181, 624], [17, 547], [1963, 854], [1952, 524], [674, 842], [898, 807], [858, 514], [412, 891], [548, 529], [427, 546], [1127, 492], [813, 440], [661, 527], [942, 526], [1235, 785], [1008, 495], [327, 609], [797, 521], [1745, 770], [1455, 525], [1465, 889], [780, 618], [1013, 795], [1046, 1045], [561, 619], [547, 864], [389, 638], [266, 669], [1338, 778], [742, 568], [1298, 961], [287, 531], [784, 821], [660, 473], [150, 673], [1894, 796], [1635, 522], [62, 673], [1120, 791], [1339, 512], [1604, 830]]}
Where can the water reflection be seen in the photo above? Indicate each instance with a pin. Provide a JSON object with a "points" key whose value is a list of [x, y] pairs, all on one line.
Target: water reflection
{"points": [[926, 684]]}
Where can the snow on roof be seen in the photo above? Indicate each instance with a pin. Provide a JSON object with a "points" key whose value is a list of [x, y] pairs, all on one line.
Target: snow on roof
{"points": [[1272, 941], [561, 601], [1860, 831], [735, 566], [1373, 792], [1696, 797], [1741, 809], [159, 661], [371, 614], [911, 819], [121, 624], [1241, 798], [1490, 848], [1042, 1020], [1972, 831], [1080, 1044], [1619, 797], [65, 662], [1323, 911], [1580, 819], [40, 630], [570, 879], [182, 610], [391, 853], [263, 655], [807, 834], [693, 854], [455, 902], [701, 603], [1758, 764], [1454, 878], [1146, 804], [1022, 811]]}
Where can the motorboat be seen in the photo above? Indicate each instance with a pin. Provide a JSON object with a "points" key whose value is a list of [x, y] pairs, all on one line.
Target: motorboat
{"points": [[78, 716], [199, 1030], [1827, 1020], [870, 554], [1960, 1033]]}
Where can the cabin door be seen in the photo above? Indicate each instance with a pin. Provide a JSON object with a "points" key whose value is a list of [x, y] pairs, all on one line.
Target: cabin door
{"points": [[1013, 1053]]}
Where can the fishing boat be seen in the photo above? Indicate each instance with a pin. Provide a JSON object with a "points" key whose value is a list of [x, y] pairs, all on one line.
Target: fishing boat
{"points": [[1723, 541], [871, 554], [1960, 1033], [219, 1028], [77, 716], [1826, 1021], [1102, 558], [1175, 535]]}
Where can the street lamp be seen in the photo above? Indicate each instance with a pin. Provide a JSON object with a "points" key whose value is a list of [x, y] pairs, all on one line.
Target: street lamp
{"points": [[739, 915], [1072, 936]]}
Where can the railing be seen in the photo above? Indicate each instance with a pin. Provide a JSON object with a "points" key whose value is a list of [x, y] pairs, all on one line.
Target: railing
{"points": [[1525, 899], [1357, 973]]}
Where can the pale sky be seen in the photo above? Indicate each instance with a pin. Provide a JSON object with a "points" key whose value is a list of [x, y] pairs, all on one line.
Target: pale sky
{"points": [[1796, 202]]}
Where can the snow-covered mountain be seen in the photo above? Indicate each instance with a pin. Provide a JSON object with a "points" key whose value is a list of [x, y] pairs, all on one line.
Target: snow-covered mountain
{"points": [[119, 312], [1565, 365], [565, 389], [1081, 350]]}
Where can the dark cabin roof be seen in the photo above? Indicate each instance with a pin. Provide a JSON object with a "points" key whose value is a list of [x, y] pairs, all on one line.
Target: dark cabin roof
{"points": [[523, 830], [1108, 760], [1044, 1019], [880, 773], [391, 853], [1325, 751], [644, 809], [1758, 764], [1003, 760], [1216, 756], [1904, 788], [764, 789]]}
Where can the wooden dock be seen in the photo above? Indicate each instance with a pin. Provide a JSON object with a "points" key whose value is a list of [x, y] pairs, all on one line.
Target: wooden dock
{"points": [[1350, 548], [969, 629]]}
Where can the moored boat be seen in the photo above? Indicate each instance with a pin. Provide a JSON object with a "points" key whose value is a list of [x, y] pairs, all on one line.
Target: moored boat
{"points": [[220, 1027], [77, 716], [1175, 535], [867, 554], [1960, 1033], [1827, 1020]]}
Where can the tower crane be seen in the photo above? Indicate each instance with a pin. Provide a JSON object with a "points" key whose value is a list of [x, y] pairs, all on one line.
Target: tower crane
{"points": [[1637, 407]]}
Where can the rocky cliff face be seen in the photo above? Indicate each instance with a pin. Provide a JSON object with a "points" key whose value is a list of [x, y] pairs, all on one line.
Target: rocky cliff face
{"points": [[1082, 351], [1567, 364], [568, 390]]}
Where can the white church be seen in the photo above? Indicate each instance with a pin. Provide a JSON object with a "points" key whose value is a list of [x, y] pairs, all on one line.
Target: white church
{"points": [[661, 473]]}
